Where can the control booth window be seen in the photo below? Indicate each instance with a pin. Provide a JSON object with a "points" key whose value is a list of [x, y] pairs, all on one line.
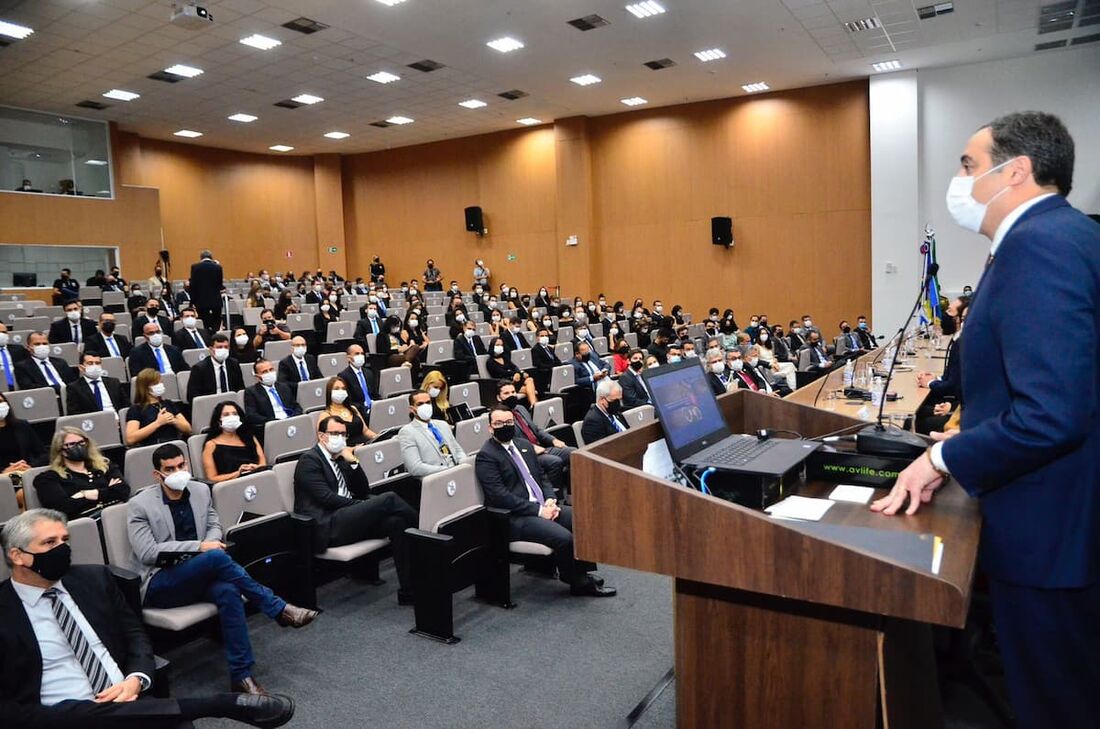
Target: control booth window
{"points": [[54, 154]]}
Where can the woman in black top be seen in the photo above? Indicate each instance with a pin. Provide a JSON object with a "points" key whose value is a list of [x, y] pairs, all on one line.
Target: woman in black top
{"points": [[152, 419], [337, 406], [240, 347], [231, 449], [543, 299], [20, 447], [377, 269], [500, 367], [328, 312], [283, 304], [80, 481], [392, 344]]}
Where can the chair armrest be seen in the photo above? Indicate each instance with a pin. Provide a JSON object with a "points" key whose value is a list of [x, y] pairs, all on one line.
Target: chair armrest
{"points": [[130, 585]]}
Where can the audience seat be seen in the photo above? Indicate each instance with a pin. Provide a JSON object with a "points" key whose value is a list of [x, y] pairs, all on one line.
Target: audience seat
{"points": [[202, 407], [275, 351], [331, 364], [171, 386], [286, 439], [85, 542], [549, 413], [9, 507], [30, 493], [311, 394], [562, 379], [472, 434], [468, 393], [577, 433], [381, 462], [138, 467], [257, 493], [193, 356], [195, 445], [640, 415], [391, 412], [394, 381], [564, 350], [115, 367], [297, 323], [67, 351], [101, 427], [521, 358], [340, 331], [38, 405]]}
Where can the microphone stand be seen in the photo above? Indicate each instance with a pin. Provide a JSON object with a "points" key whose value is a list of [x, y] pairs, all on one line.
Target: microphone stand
{"points": [[877, 439]]}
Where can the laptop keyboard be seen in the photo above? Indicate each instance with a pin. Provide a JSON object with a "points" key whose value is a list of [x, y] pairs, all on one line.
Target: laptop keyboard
{"points": [[739, 453]]}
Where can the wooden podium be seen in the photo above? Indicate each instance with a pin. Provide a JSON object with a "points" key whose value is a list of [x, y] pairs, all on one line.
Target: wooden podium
{"points": [[776, 627]]}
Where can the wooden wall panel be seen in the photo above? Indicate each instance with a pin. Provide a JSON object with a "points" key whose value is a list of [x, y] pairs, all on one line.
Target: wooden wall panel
{"points": [[406, 205]]}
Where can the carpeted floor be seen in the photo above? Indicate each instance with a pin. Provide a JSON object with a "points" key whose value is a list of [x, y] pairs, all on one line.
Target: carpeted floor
{"points": [[554, 662]]}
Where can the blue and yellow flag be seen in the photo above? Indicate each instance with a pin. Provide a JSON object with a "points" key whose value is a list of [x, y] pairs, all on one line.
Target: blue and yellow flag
{"points": [[930, 312]]}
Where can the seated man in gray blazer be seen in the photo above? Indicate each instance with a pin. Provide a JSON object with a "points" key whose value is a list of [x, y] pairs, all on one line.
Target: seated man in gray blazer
{"points": [[427, 446], [176, 515], [552, 453]]}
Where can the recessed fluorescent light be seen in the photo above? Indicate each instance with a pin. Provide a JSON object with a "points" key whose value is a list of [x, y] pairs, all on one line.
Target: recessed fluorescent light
{"points": [[712, 54], [586, 80], [243, 118], [754, 87], [391, 3], [187, 133], [645, 9], [11, 30], [121, 95], [472, 103], [505, 44], [337, 135], [384, 77], [634, 101], [280, 148], [528, 121], [400, 120], [186, 71], [96, 162], [261, 41], [307, 99], [892, 65]]}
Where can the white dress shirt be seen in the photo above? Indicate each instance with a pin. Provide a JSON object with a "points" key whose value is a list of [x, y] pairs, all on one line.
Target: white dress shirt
{"points": [[62, 676], [219, 368], [163, 358], [112, 345], [46, 364], [276, 408], [93, 385]]}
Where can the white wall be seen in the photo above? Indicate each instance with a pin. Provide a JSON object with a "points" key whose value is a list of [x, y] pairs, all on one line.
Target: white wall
{"points": [[952, 103]]}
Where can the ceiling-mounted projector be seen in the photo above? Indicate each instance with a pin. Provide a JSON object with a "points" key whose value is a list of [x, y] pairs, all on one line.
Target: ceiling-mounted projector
{"points": [[191, 16]]}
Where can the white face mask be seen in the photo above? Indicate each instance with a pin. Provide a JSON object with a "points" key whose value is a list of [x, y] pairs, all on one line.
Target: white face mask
{"points": [[653, 365], [325, 308], [433, 392], [424, 412], [338, 396], [230, 423], [582, 333], [178, 480], [221, 354], [968, 212], [93, 372], [763, 337], [498, 350], [4, 410], [372, 314], [470, 333], [754, 360], [658, 309], [736, 364], [268, 378], [41, 351], [299, 352], [614, 332], [717, 368], [189, 322], [544, 341], [690, 353], [4, 339], [73, 315], [335, 444], [358, 359], [156, 339], [157, 390], [414, 323], [460, 316], [241, 340]]}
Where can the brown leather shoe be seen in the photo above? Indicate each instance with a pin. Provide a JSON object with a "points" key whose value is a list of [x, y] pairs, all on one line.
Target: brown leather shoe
{"points": [[293, 616], [247, 686]]}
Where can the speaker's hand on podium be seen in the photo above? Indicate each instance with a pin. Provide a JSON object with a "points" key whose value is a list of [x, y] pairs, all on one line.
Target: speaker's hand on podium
{"points": [[917, 483]]}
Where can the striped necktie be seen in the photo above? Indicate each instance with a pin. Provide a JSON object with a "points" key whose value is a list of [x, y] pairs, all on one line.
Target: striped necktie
{"points": [[82, 648]]}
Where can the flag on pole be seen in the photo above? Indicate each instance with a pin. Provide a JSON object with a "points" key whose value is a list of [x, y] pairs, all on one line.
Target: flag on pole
{"points": [[930, 312]]}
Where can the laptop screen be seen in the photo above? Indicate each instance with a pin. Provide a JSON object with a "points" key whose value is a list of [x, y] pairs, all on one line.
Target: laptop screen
{"points": [[686, 407]]}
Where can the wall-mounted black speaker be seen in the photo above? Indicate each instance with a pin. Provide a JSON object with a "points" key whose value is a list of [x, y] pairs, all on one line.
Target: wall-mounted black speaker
{"points": [[721, 231], [475, 223], [164, 256]]}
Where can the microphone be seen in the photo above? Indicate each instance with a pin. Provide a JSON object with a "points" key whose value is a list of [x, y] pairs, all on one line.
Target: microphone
{"points": [[877, 439]]}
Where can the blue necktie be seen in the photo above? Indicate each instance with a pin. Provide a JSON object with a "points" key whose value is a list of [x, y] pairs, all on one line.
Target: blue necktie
{"points": [[49, 374], [76, 333], [374, 325], [113, 346], [618, 426], [366, 392], [435, 431], [94, 384], [302, 370], [278, 399], [7, 367], [160, 360]]}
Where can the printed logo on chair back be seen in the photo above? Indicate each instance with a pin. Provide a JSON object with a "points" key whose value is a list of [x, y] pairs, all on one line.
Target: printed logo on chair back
{"points": [[28, 402], [379, 456], [249, 493], [291, 431], [87, 426], [452, 488]]}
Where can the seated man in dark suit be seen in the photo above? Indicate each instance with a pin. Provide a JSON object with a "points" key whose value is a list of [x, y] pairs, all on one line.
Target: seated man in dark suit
{"points": [[331, 489], [588, 369], [553, 454], [40, 369], [763, 375], [9, 357], [660, 344], [299, 365], [94, 391], [819, 360], [54, 612], [268, 399], [370, 323], [217, 374], [153, 313], [468, 346], [359, 379], [718, 376], [512, 480], [848, 342], [543, 358], [866, 337], [74, 327], [605, 417], [105, 342], [514, 338], [155, 353], [191, 335], [635, 392]]}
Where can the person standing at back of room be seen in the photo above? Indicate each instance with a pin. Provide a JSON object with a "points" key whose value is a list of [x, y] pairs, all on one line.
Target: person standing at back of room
{"points": [[1030, 427], [206, 288]]}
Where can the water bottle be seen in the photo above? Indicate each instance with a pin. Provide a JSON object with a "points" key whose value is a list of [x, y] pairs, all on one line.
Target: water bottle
{"points": [[849, 374], [876, 392]]}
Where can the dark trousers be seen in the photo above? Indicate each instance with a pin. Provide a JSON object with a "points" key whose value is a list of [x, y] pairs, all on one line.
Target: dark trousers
{"points": [[558, 536], [384, 515], [1050, 643], [211, 317], [214, 577], [145, 713], [555, 464]]}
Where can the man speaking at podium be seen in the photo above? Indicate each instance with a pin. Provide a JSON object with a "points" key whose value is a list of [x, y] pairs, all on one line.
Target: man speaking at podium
{"points": [[1029, 446]]}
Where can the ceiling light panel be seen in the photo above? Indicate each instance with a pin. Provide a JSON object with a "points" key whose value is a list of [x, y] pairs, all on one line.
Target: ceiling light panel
{"points": [[586, 80], [384, 77], [756, 87], [711, 54], [122, 95], [188, 133], [891, 65], [337, 135], [400, 120], [307, 99], [261, 42], [645, 9], [186, 71], [528, 121], [280, 148], [12, 30], [390, 3], [242, 118], [505, 44], [472, 103], [634, 101], [96, 162]]}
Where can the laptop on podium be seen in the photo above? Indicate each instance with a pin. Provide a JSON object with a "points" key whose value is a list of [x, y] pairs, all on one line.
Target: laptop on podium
{"points": [[697, 434]]}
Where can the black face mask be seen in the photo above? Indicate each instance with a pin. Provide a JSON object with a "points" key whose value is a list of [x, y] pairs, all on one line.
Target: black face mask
{"points": [[51, 564], [948, 324], [846, 329], [637, 365], [76, 451], [510, 402], [152, 311], [504, 433], [614, 407], [108, 327]]}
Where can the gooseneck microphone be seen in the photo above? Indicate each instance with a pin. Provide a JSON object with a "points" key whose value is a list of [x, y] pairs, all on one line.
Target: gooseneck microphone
{"points": [[878, 439]]}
